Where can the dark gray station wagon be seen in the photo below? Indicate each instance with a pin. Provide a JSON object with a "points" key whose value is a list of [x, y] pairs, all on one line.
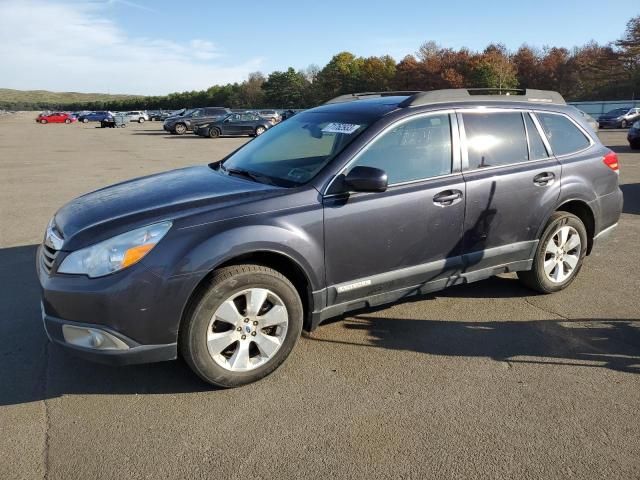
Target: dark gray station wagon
{"points": [[360, 202]]}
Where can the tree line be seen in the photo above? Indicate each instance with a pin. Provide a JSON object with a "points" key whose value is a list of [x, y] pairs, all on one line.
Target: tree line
{"points": [[590, 72]]}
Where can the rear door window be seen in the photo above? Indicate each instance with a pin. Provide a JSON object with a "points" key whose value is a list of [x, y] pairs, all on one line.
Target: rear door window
{"points": [[495, 139], [563, 135]]}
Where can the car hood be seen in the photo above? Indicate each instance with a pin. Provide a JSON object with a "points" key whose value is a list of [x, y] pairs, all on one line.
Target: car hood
{"points": [[165, 196], [176, 118]]}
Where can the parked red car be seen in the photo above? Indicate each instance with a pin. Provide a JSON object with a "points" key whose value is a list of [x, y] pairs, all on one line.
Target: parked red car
{"points": [[56, 117]]}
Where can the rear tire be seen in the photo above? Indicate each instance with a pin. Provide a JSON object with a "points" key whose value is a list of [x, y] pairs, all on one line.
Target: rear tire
{"points": [[241, 326], [559, 255], [624, 124], [141, 120], [43, 121], [85, 120], [67, 121], [180, 129], [260, 130]]}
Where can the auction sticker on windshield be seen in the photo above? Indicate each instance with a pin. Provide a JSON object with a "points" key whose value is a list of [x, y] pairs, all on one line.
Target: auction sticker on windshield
{"points": [[346, 128]]}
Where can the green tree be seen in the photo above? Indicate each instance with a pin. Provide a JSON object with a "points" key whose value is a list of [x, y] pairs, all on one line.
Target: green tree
{"points": [[340, 75], [376, 74], [494, 68], [286, 89]]}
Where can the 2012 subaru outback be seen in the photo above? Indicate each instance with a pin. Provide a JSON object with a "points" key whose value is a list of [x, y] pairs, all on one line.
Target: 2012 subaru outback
{"points": [[348, 205]]}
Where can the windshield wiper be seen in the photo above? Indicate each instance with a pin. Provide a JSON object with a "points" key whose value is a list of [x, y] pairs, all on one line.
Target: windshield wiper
{"points": [[240, 172]]}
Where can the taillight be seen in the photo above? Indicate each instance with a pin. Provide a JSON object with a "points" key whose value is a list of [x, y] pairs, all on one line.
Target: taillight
{"points": [[611, 161]]}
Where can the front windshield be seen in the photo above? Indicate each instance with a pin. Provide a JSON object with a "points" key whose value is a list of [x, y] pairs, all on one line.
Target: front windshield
{"points": [[293, 152]]}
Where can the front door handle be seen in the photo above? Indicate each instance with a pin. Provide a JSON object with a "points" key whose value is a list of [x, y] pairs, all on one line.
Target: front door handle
{"points": [[543, 179], [447, 197]]}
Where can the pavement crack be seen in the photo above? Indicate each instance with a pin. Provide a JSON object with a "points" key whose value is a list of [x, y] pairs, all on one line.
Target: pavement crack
{"points": [[545, 310]]}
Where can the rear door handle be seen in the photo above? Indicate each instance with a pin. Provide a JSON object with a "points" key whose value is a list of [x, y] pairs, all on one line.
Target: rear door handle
{"points": [[545, 178], [447, 197]]}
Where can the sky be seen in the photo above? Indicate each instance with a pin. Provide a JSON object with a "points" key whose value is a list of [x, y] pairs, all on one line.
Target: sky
{"points": [[157, 47]]}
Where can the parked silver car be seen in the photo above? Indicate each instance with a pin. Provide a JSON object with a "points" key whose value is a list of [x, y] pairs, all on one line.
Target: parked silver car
{"points": [[137, 116], [619, 118], [272, 115]]}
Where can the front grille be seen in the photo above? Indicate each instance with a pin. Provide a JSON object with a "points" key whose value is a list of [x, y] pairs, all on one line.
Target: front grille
{"points": [[48, 257]]}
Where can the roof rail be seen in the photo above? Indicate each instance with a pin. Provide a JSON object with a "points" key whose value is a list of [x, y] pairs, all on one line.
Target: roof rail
{"points": [[483, 94], [350, 97]]}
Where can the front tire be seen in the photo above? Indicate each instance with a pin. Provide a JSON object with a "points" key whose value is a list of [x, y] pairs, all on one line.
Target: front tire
{"points": [[241, 326], [214, 133], [43, 121], [85, 120], [141, 120], [67, 121], [260, 130], [559, 255]]}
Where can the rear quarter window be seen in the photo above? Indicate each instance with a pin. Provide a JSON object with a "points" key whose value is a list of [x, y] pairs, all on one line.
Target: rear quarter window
{"points": [[563, 135]]}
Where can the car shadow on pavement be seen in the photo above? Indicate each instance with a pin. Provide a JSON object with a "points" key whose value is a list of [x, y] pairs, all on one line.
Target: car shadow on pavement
{"points": [[32, 369], [631, 193], [153, 133], [621, 148], [599, 343]]}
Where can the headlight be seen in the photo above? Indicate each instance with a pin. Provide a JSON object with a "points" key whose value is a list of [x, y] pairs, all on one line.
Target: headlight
{"points": [[115, 253]]}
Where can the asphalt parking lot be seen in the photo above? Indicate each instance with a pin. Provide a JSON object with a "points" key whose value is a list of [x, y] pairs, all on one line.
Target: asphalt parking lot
{"points": [[480, 381]]}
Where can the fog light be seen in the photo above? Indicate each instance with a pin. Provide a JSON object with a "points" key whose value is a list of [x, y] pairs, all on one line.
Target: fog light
{"points": [[92, 338]]}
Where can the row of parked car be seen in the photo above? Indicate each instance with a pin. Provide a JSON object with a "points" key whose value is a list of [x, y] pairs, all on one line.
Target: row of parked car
{"points": [[181, 121], [214, 122], [85, 117]]}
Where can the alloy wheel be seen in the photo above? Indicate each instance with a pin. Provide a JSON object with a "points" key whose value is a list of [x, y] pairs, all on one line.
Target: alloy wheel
{"points": [[562, 254], [247, 330]]}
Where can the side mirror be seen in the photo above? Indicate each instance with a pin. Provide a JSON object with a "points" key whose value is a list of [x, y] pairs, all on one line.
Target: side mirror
{"points": [[366, 179]]}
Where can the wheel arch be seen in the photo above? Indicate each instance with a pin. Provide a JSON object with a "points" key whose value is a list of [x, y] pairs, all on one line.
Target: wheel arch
{"points": [[277, 260], [583, 211]]}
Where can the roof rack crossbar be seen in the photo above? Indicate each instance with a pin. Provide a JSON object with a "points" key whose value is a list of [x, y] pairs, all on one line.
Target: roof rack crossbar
{"points": [[350, 97], [483, 94]]}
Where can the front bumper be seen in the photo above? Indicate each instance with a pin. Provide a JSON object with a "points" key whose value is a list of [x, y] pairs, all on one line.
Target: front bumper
{"points": [[131, 352], [139, 306]]}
